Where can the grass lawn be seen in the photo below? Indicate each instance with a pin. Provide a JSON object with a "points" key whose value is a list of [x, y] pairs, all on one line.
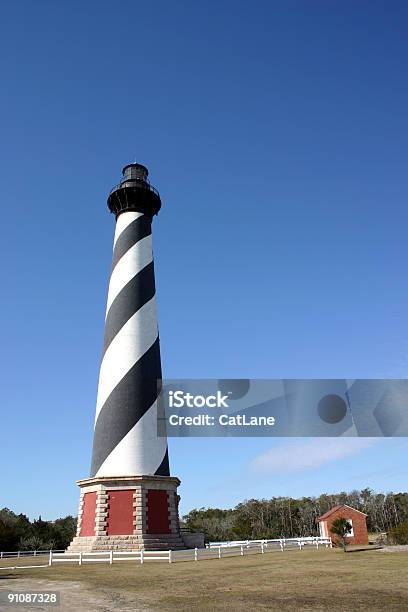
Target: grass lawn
{"points": [[308, 580]]}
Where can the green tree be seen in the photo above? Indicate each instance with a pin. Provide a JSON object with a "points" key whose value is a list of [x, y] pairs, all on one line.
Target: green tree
{"points": [[18, 533], [64, 529], [213, 522], [12, 528], [341, 527]]}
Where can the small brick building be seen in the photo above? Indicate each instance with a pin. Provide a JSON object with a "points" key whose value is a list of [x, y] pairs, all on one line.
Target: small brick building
{"points": [[358, 520]]}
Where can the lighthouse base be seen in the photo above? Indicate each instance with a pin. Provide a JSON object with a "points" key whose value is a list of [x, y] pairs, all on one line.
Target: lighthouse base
{"points": [[128, 513]]}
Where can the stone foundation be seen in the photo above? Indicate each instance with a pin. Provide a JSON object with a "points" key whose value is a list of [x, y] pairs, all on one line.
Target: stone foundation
{"points": [[192, 539], [128, 513]]}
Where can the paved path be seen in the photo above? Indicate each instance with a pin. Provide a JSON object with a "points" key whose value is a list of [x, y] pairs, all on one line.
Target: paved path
{"points": [[397, 548]]}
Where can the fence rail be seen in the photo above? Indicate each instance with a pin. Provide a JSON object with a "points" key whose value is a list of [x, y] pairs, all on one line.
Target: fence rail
{"points": [[25, 553], [282, 543], [213, 551]]}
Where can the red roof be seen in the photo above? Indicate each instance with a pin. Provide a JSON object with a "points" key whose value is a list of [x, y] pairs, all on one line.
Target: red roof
{"points": [[335, 508]]}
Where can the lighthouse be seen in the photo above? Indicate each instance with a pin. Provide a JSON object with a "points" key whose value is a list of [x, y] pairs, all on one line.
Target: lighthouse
{"points": [[130, 501]]}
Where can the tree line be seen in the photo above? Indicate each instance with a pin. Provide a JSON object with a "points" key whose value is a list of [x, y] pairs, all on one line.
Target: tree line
{"points": [[252, 519], [288, 517], [17, 532]]}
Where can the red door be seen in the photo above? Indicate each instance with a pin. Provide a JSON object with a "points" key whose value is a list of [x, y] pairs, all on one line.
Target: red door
{"points": [[157, 512], [88, 515], [120, 512]]}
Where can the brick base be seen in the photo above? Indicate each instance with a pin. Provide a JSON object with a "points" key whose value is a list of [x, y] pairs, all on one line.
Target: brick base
{"points": [[120, 518]]}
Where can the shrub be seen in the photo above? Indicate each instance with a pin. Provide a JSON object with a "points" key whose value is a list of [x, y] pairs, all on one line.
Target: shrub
{"points": [[399, 534]]}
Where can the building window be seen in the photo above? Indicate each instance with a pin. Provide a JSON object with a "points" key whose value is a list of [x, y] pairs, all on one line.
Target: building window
{"points": [[351, 534]]}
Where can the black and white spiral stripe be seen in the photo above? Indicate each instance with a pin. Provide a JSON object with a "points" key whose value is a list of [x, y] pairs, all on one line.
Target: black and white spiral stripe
{"points": [[125, 436]]}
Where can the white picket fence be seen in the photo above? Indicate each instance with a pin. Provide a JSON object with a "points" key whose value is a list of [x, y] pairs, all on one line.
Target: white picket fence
{"points": [[213, 551], [25, 553], [281, 543]]}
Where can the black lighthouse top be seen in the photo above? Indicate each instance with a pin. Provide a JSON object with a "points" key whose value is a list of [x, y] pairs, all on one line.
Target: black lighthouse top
{"points": [[134, 192]]}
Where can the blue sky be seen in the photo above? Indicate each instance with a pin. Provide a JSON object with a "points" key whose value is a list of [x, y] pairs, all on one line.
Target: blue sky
{"points": [[277, 136]]}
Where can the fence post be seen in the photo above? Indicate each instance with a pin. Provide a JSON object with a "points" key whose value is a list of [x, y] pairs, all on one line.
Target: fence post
{"points": [[18, 554], [50, 559], [195, 554], [80, 558], [110, 557], [300, 545], [219, 552], [262, 547], [142, 556], [1, 554], [35, 553], [170, 559], [281, 545], [242, 550]]}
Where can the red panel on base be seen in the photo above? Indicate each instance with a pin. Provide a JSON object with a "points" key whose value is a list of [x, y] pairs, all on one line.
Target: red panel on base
{"points": [[120, 512], [88, 515], [157, 512]]}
